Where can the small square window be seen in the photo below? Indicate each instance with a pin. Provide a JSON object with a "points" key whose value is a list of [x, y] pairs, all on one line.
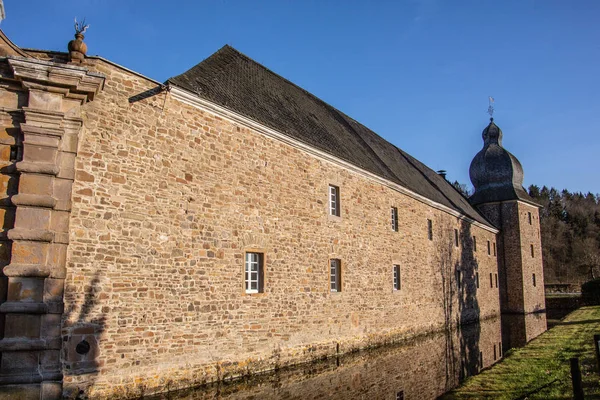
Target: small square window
{"points": [[334, 200], [456, 237], [474, 244], [254, 274], [533, 277], [529, 217], [335, 268], [397, 281], [489, 248], [395, 219], [430, 229]]}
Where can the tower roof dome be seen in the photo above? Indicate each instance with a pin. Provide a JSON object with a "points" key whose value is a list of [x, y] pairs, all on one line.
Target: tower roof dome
{"points": [[496, 174]]}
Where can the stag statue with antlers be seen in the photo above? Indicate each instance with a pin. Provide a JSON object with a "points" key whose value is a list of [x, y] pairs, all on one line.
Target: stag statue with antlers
{"points": [[78, 49]]}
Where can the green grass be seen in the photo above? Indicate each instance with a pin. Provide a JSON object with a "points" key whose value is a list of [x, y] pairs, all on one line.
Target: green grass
{"points": [[541, 370]]}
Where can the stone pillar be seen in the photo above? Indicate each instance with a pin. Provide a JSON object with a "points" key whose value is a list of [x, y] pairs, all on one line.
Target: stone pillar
{"points": [[30, 364]]}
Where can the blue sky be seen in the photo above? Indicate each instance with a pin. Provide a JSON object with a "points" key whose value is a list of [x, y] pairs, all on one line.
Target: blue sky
{"points": [[417, 72]]}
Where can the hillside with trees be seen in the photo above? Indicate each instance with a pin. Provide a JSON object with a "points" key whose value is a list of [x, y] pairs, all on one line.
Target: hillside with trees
{"points": [[570, 228]]}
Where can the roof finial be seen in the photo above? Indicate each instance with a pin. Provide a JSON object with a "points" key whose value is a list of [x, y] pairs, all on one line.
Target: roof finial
{"points": [[491, 108], [78, 49]]}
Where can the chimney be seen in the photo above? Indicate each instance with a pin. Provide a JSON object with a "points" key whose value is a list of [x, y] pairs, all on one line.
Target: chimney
{"points": [[442, 173]]}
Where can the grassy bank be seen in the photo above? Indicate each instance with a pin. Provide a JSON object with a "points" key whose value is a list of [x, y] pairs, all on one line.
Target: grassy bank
{"points": [[541, 369]]}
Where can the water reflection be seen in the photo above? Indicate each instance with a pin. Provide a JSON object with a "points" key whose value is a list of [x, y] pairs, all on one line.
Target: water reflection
{"points": [[418, 369]]}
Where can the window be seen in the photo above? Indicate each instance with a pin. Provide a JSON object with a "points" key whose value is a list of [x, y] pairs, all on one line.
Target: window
{"points": [[494, 246], [496, 276], [529, 217], [491, 280], [400, 395], [430, 229], [396, 277], [477, 279], [395, 219], [532, 254], [495, 352], [489, 248], [500, 348], [474, 244], [458, 276], [254, 272], [335, 275], [533, 277], [334, 200], [481, 359], [456, 237]]}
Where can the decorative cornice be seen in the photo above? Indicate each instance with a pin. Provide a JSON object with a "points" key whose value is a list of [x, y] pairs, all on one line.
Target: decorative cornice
{"points": [[78, 82], [195, 101]]}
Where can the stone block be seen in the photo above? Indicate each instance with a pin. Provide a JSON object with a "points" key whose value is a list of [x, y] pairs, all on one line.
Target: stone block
{"points": [[26, 252], [36, 184], [33, 218], [20, 392], [22, 325], [26, 289]]}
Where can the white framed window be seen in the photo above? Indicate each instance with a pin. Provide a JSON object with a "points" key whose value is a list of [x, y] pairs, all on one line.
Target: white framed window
{"points": [[254, 272], [334, 200], [397, 282], [395, 219], [335, 275]]}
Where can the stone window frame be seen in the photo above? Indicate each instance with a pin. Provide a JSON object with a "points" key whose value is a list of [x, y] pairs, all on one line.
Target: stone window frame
{"points": [[394, 218], [397, 277], [335, 278], [261, 283]]}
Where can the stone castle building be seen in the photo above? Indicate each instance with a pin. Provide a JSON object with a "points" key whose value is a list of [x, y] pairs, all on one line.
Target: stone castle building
{"points": [[226, 222]]}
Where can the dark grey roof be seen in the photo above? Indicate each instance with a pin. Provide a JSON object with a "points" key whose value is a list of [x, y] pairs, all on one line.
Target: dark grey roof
{"points": [[496, 174], [233, 80]]}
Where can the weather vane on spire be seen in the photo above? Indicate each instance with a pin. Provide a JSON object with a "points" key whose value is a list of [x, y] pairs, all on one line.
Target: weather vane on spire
{"points": [[491, 107]]}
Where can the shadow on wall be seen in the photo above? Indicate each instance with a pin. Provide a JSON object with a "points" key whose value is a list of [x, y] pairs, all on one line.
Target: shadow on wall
{"points": [[81, 335], [9, 181], [458, 271]]}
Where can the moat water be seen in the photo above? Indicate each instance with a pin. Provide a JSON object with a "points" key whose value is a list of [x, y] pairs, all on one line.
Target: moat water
{"points": [[421, 368]]}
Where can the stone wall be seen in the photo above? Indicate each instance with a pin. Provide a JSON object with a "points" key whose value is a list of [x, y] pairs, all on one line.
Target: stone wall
{"points": [[40, 125], [168, 198]]}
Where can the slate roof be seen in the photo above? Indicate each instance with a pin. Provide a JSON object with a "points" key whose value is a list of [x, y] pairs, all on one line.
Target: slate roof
{"points": [[238, 83]]}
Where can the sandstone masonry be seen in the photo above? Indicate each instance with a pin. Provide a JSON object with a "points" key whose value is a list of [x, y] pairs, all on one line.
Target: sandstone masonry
{"points": [[143, 203]]}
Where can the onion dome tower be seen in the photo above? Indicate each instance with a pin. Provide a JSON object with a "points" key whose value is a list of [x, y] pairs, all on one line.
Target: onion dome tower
{"points": [[499, 195], [496, 174]]}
